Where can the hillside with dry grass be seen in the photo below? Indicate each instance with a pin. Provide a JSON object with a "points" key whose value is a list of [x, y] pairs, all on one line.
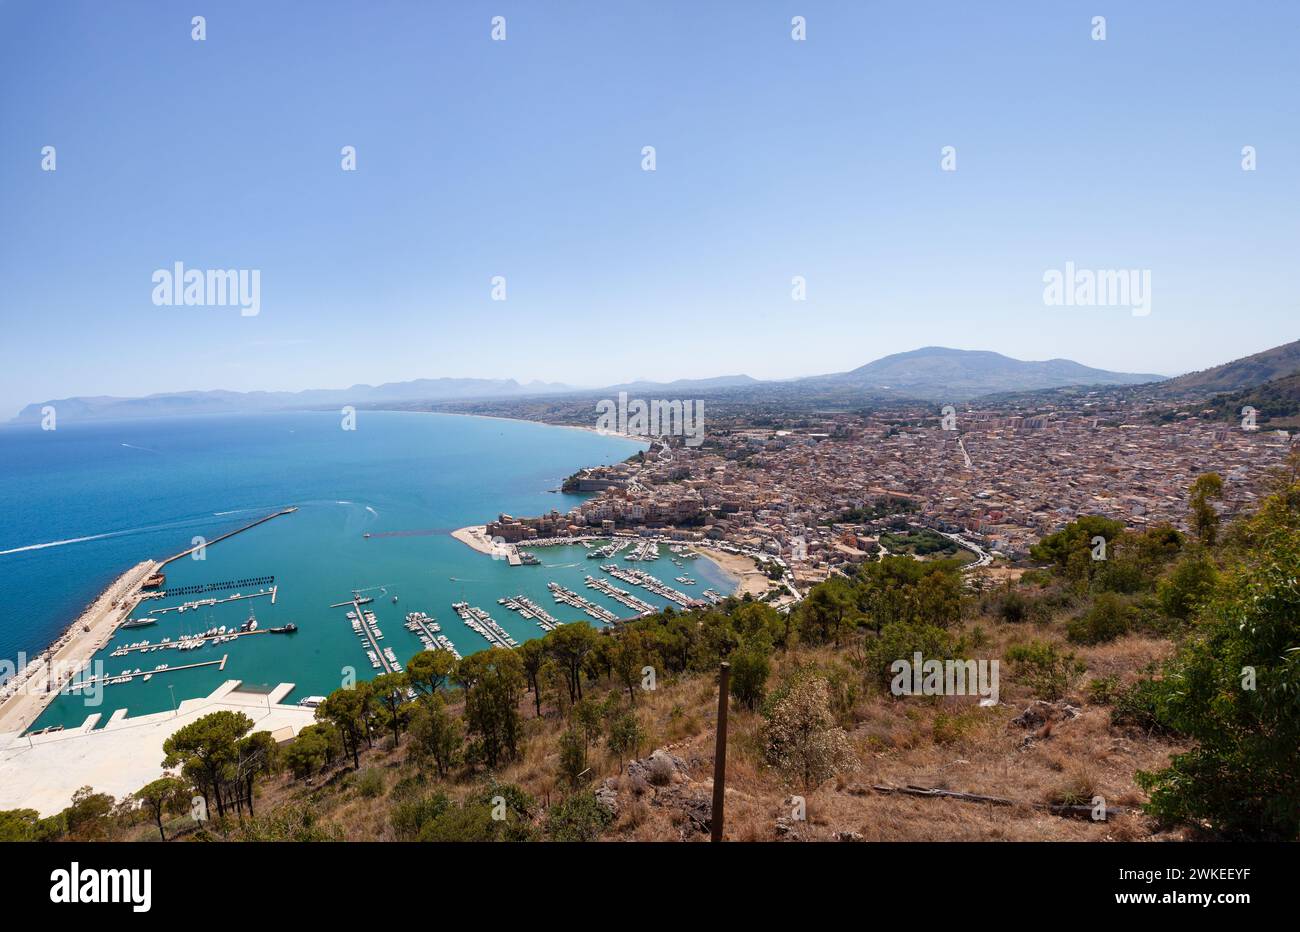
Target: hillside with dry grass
{"points": [[1066, 750]]}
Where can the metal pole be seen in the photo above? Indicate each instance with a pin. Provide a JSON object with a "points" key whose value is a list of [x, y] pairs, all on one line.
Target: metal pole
{"points": [[720, 753]]}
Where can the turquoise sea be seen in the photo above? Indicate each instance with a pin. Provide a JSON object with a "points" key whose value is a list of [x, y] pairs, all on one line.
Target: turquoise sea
{"points": [[87, 501]]}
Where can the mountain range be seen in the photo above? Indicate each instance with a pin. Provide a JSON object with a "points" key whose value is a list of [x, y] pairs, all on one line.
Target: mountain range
{"points": [[171, 404], [932, 373]]}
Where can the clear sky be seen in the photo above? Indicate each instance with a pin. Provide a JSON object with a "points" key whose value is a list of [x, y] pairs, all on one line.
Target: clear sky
{"points": [[522, 158]]}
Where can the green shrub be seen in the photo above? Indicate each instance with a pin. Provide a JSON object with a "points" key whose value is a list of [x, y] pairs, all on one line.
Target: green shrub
{"points": [[1233, 690], [1109, 616], [1103, 690], [409, 818], [901, 641], [370, 783], [750, 668], [295, 822], [1048, 672], [1013, 607], [1137, 706], [579, 817], [1183, 590]]}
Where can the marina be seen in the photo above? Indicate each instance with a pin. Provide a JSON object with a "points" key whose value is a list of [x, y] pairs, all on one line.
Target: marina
{"points": [[429, 632], [127, 675], [608, 550], [527, 608], [318, 558], [646, 550], [569, 597], [184, 642], [482, 623], [651, 584], [366, 626], [620, 595]]}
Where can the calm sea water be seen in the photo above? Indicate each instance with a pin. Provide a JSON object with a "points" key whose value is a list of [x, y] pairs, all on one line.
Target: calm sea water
{"points": [[87, 501]]}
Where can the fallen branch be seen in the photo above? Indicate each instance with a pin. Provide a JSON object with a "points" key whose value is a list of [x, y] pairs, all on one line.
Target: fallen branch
{"points": [[1062, 809]]}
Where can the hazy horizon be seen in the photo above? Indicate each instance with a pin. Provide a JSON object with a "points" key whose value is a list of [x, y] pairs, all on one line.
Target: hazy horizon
{"points": [[543, 382]]}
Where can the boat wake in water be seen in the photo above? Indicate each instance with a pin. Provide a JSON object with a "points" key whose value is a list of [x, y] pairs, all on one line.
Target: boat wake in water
{"points": [[81, 540]]}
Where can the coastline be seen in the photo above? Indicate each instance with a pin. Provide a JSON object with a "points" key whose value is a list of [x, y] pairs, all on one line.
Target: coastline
{"points": [[30, 690], [523, 420], [749, 581]]}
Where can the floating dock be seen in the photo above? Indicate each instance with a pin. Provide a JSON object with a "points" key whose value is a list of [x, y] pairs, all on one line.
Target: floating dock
{"points": [[621, 595], [206, 603], [650, 583], [196, 640], [569, 597], [482, 623], [110, 679], [527, 608], [385, 662]]}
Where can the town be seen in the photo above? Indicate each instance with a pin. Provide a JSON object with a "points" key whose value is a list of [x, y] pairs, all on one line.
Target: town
{"points": [[816, 493]]}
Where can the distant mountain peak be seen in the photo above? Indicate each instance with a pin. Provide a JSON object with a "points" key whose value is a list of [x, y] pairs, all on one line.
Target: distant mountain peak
{"points": [[949, 374]]}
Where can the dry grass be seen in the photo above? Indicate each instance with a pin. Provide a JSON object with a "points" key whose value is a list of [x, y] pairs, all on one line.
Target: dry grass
{"points": [[940, 742]]}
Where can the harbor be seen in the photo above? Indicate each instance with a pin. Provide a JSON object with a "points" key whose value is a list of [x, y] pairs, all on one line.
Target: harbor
{"points": [[527, 608], [386, 639], [652, 584], [620, 595], [569, 597], [483, 624], [366, 626], [430, 633]]}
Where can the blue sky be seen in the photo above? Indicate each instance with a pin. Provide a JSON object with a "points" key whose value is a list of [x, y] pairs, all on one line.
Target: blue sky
{"points": [[522, 158]]}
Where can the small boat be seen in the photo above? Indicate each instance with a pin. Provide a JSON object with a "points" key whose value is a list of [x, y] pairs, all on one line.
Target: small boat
{"points": [[290, 628]]}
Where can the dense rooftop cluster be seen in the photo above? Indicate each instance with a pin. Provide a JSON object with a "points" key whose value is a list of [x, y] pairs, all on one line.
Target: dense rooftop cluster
{"points": [[819, 491]]}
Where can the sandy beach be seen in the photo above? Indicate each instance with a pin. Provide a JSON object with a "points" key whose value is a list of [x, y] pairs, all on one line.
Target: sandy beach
{"points": [[748, 577], [25, 697]]}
